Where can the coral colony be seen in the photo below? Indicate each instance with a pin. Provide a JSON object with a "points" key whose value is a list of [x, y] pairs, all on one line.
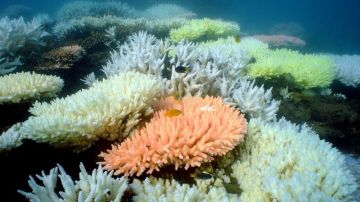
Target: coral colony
{"points": [[175, 95]]}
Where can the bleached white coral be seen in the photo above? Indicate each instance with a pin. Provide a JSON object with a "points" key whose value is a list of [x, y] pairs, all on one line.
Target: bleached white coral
{"points": [[109, 109], [11, 138], [146, 54], [99, 186], [21, 86], [253, 100], [166, 11], [7, 66], [142, 53], [16, 34], [78, 9], [285, 162], [152, 189], [347, 69], [90, 79]]}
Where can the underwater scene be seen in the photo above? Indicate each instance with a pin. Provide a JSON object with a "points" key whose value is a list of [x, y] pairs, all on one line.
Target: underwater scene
{"points": [[180, 100]]}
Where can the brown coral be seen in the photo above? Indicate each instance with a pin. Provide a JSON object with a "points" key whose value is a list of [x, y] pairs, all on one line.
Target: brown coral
{"points": [[61, 58], [206, 128]]}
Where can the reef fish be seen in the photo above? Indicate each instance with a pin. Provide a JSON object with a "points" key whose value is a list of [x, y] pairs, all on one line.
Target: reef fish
{"points": [[237, 39], [182, 69], [172, 112]]}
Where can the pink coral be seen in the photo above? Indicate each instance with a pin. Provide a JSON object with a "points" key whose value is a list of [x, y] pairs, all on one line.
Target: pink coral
{"points": [[205, 128], [281, 40]]}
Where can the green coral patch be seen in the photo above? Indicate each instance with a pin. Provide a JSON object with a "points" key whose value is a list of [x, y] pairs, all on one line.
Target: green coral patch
{"points": [[308, 70]]}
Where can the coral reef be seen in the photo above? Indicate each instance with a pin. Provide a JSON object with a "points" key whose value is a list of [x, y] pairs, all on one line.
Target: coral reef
{"points": [[205, 128], [99, 186], [61, 58], [110, 109], [124, 26], [18, 87], [204, 29], [274, 166]]}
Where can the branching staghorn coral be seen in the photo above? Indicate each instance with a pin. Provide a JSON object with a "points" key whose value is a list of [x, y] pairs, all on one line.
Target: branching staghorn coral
{"points": [[205, 128], [109, 109], [11, 138], [252, 100], [142, 53], [152, 189], [7, 66], [17, 35], [18, 87], [285, 162], [146, 54], [99, 186]]}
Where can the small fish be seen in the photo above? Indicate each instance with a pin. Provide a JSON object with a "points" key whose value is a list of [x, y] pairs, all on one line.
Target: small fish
{"points": [[172, 112], [252, 60], [182, 69], [202, 175], [237, 39]]}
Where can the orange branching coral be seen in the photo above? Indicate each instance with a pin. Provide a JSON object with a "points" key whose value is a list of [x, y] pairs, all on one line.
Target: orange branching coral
{"points": [[205, 128]]}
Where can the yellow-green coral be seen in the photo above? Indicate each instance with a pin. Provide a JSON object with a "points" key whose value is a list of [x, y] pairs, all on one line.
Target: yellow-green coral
{"points": [[204, 29], [308, 70]]}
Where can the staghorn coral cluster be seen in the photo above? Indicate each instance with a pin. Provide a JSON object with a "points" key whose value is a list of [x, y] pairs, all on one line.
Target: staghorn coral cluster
{"points": [[204, 29], [205, 128], [7, 66], [18, 37], [21, 86], [252, 100], [285, 162], [144, 53], [308, 70], [11, 138], [61, 58], [99, 186], [109, 109]]}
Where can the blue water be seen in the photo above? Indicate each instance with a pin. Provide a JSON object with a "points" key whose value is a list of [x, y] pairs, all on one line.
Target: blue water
{"points": [[330, 25]]}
